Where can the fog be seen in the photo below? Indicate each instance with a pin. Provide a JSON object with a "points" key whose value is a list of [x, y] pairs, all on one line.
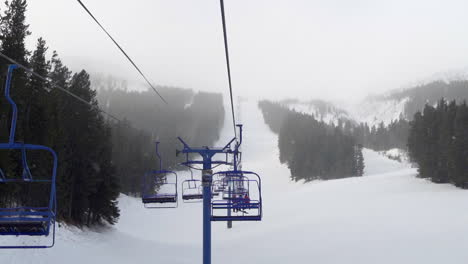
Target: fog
{"points": [[341, 50]]}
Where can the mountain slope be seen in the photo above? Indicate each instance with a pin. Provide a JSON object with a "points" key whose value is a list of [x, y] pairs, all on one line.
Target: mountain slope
{"points": [[384, 108], [387, 216]]}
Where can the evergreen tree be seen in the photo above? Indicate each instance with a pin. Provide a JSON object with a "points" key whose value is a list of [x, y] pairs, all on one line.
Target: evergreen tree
{"points": [[359, 161], [438, 143], [58, 137], [13, 31], [90, 170], [459, 156], [313, 149], [93, 155]]}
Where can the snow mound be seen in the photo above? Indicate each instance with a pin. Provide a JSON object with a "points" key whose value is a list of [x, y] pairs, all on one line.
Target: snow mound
{"points": [[397, 154]]}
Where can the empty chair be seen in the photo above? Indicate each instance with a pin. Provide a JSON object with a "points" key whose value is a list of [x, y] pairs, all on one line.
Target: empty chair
{"points": [[27, 219], [160, 189], [192, 193], [192, 190]]}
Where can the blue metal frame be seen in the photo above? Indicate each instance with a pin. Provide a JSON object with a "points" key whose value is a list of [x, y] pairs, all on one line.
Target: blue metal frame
{"points": [[150, 198], [253, 206], [20, 216], [195, 194], [207, 155]]}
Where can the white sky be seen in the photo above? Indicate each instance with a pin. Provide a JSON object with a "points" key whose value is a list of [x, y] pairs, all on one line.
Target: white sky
{"points": [[330, 49]]}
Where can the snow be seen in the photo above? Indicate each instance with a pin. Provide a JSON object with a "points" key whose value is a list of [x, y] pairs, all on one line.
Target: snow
{"points": [[396, 154], [374, 111], [330, 116], [386, 216]]}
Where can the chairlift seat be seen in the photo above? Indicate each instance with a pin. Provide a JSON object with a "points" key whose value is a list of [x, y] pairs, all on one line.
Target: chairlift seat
{"points": [[236, 205], [237, 218], [26, 221], [32, 221], [192, 190], [159, 189], [196, 196], [219, 189], [24, 227], [234, 195], [160, 198]]}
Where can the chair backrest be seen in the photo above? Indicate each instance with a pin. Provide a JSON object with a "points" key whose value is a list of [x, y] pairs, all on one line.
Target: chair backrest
{"points": [[23, 220], [234, 206], [159, 187]]}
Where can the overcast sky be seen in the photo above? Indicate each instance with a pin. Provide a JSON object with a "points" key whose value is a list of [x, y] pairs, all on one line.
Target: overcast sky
{"points": [[331, 49]]}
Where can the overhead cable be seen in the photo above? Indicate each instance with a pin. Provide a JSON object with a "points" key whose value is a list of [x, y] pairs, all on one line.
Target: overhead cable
{"points": [[53, 84], [226, 50], [122, 50]]}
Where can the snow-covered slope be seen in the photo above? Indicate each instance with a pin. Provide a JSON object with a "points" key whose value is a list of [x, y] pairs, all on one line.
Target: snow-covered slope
{"points": [[397, 154], [321, 110], [373, 111], [387, 216]]}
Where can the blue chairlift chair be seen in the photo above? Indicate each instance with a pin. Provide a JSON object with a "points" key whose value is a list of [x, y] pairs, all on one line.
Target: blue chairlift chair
{"points": [[216, 188], [236, 185], [159, 187], [192, 190], [27, 220], [219, 185], [243, 199]]}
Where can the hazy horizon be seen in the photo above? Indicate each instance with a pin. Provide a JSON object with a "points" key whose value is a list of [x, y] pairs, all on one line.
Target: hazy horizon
{"points": [[332, 50]]}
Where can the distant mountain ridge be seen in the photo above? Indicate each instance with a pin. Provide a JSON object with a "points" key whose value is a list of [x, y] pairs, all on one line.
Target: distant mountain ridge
{"points": [[321, 110], [387, 107], [430, 93]]}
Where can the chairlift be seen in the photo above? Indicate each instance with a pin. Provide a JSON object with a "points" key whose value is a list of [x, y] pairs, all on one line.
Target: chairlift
{"points": [[159, 187], [192, 190], [220, 185], [217, 188], [236, 186], [243, 199], [27, 220]]}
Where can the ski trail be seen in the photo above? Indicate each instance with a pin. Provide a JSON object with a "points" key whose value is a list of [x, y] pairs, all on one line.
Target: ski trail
{"points": [[387, 216]]}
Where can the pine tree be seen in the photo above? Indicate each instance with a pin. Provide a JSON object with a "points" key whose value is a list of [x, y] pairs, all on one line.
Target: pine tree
{"points": [[359, 161], [57, 134], [93, 185], [460, 147], [13, 31]]}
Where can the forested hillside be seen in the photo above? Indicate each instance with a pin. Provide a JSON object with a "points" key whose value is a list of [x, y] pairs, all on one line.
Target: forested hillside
{"points": [[196, 117], [381, 137], [382, 122], [313, 149], [415, 98], [98, 157], [403, 105], [87, 188], [438, 143]]}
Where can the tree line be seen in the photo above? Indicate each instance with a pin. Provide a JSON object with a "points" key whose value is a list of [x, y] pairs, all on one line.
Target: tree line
{"points": [[313, 149], [87, 188], [382, 136], [98, 158], [197, 117], [438, 142], [430, 93]]}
